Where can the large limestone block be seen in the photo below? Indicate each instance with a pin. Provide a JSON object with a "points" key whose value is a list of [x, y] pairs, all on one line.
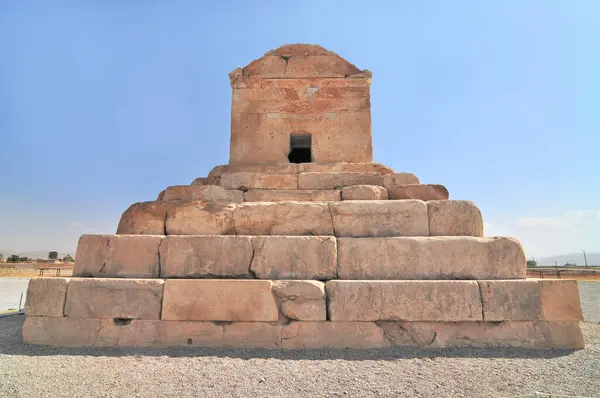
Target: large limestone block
{"points": [[364, 192], [336, 180], [295, 168], [332, 335], [202, 181], [379, 218], [423, 192], [219, 300], [454, 218], [526, 334], [118, 256], [301, 300], [205, 256], [205, 193], [430, 258], [403, 301], [294, 257], [94, 332], [283, 218], [200, 218], [392, 180], [531, 299], [144, 218], [282, 195], [46, 296], [114, 298], [245, 181]]}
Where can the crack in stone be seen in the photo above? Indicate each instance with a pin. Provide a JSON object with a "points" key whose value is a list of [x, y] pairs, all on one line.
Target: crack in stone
{"points": [[481, 300], [331, 217], [159, 259], [250, 270]]}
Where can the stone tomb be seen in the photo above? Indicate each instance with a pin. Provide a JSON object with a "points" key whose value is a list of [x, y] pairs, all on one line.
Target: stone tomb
{"points": [[302, 241]]}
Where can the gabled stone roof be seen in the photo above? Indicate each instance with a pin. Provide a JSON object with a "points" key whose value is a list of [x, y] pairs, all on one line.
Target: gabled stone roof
{"points": [[298, 61]]}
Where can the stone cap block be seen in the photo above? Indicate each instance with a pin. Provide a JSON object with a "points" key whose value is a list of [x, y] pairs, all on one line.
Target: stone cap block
{"points": [[245, 181], [46, 296], [430, 258], [283, 195], [392, 180], [294, 257], [219, 300], [454, 218], [301, 300], [114, 298], [422, 191], [283, 218], [364, 192], [118, 256], [531, 299], [205, 193], [379, 218], [403, 301], [200, 218], [206, 256], [336, 180]]}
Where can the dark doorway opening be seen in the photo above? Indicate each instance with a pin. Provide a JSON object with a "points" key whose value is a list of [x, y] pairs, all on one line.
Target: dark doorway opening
{"points": [[300, 149]]}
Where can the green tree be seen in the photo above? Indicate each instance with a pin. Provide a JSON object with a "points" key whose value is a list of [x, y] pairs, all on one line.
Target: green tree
{"points": [[531, 263], [53, 255], [13, 259], [68, 259]]}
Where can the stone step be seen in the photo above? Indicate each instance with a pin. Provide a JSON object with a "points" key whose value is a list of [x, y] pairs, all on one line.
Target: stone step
{"points": [[295, 168], [358, 218], [283, 195], [254, 300], [299, 257], [418, 191], [405, 312], [205, 193], [103, 332]]}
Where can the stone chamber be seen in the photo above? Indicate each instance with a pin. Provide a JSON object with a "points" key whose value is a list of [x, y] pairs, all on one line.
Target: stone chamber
{"points": [[302, 241]]}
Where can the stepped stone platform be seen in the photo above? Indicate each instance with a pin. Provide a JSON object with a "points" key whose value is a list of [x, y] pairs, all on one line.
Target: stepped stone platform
{"points": [[302, 241]]}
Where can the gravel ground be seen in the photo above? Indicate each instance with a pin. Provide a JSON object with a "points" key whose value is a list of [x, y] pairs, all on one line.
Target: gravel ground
{"points": [[589, 293], [34, 371]]}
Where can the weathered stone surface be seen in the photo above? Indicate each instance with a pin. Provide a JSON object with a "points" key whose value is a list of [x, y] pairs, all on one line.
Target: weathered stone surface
{"points": [[336, 180], [537, 334], [200, 218], [205, 193], [144, 218], [560, 300], [392, 180], [301, 300], [531, 299], [283, 218], [294, 168], [364, 192], [245, 181], [46, 296], [430, 258], [379, 218], [278, 195], [202, 181], [294, 257], [454, 218], [403, 301], [423, 192], [332, 335], [205, 256], [93, 332], [114, 298], [219, 300], [118, 256]]}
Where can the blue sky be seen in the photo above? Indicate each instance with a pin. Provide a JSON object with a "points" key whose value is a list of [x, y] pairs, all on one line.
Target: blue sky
{"points": [[105, 103]]}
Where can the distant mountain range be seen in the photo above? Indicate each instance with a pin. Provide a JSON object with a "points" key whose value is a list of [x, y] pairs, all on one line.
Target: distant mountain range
{"points": [[33, 254], [593, 258]]}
